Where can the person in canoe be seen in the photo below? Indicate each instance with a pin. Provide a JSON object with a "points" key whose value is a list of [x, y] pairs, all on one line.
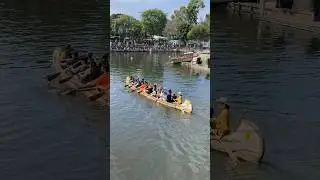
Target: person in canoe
{"points": [[178, 100], [221, 123], [150, 89], [174, 97], [136, 83], [169, 96], [154, 90], [159, 89], [142, 86], [68, 50], [93, 73], [162, 95], [103, 81], [128, 81]]}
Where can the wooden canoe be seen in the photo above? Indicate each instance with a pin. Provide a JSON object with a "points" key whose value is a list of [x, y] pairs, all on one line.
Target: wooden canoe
{"points": [[73, 81], [186, 57], [184, 107], [245, 143]]}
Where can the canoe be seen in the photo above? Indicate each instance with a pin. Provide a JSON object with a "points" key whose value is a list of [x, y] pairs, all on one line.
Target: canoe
{"points": [[186, 106], [245, 143], [186, 57], [72, 81]]}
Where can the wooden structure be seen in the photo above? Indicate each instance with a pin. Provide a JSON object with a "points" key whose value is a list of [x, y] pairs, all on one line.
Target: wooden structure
{"points": [[185, 57]]}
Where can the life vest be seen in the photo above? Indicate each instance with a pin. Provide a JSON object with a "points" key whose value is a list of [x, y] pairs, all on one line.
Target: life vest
{"points": [[222, 121], [179, 100], [103, 80]]}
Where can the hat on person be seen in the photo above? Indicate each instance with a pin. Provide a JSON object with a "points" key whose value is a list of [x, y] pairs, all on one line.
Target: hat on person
{"points": [[222, 100]]}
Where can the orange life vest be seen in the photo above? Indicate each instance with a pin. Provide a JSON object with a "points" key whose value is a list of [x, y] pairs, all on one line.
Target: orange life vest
{"points": [[103, 79]]}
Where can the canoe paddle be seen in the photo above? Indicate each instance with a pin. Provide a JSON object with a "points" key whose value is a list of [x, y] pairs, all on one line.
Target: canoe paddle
{"points": [[65, 79], [96, 96], [51, 77], [72, 91]]}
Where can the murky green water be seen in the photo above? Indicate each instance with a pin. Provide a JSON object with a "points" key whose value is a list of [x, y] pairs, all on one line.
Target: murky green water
{"points": [[150, 141]]}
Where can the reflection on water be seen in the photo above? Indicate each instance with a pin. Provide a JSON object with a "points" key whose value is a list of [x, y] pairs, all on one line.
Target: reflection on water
{"points": [[43, 135], [150, 141], [275, 75]]}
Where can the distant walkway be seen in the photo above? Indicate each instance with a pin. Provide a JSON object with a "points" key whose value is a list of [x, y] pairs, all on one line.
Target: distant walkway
{"points": [[293, 18]]}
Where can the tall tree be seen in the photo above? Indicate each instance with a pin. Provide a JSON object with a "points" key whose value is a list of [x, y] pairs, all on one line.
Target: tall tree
{"points": [[199, 32], [170, 29], [193, 9], [153, 21], [186, 17], [181, 21]]}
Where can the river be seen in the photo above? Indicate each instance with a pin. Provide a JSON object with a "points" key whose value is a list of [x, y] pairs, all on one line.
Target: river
{"points": [[45, 135], [273, 72], [149, 141]]}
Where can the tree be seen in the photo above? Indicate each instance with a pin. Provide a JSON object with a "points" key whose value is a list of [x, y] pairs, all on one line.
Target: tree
{"points": [[124, 25], [193, 9], [186, 17], [181, 22], [199, 32], [153, 21], [170, 29]]}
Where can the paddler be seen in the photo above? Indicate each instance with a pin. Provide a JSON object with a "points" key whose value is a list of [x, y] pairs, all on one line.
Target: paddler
{"points": [[174, 97], [221, 124], [179, 98], [68, 50], [169, 96], [103, 80], [142, 87], [149, 89], [128, 80]]}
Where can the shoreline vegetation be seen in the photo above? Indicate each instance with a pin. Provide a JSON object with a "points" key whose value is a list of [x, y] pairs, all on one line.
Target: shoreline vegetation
{"points": [[160, 32], [156, 31]]}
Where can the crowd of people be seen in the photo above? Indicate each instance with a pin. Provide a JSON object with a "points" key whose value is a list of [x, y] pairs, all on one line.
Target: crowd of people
{"points": [[89, 70], [155, 90]]}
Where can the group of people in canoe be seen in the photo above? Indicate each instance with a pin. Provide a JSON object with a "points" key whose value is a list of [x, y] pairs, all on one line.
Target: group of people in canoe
{"points": [[89, 71], [155, 90]]}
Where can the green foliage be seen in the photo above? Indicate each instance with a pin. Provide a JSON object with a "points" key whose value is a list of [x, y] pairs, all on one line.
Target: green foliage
{"points": [[170, 29], [199, 32], [186, 17], [124, 25], [153, 21], [193, 9]]}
